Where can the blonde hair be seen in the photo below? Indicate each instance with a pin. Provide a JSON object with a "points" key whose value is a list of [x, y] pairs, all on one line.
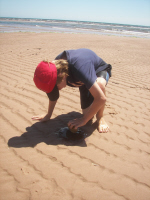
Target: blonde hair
{"points": [[62, 69]]}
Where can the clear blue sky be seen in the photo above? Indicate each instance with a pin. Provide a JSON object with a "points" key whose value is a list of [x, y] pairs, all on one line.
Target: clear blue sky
{"points": [[136, 12]]}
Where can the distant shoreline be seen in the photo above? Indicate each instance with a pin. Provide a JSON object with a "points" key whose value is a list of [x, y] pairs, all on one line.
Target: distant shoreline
{"points": [[40, 19], [72, 26]]}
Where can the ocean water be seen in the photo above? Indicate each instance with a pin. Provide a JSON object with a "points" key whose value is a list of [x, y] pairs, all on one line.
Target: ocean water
{"points": [[69, 26]]}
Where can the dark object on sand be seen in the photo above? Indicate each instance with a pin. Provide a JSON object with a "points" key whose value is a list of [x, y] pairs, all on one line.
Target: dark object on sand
{"points": [[67, 134]]}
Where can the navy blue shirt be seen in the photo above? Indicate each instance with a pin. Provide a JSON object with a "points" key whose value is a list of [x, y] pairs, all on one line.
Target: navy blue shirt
{"points": [[83, 66]]}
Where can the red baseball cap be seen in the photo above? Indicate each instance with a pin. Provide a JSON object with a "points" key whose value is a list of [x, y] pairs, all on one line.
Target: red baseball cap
{"points": [[45, 76]]}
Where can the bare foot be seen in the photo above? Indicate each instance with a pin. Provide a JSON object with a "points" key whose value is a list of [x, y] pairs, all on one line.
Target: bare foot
{"points": [[102, 126]]}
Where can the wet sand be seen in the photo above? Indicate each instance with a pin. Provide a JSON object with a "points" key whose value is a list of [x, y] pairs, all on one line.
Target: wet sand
{"points": [[34, 163]]}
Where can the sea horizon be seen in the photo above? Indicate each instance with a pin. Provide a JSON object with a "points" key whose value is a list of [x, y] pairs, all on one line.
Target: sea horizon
{"points": [[74, 21], [17, 24]]}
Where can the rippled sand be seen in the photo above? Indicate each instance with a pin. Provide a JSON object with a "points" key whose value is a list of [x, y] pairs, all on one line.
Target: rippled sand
{"points": [[34, 163]]}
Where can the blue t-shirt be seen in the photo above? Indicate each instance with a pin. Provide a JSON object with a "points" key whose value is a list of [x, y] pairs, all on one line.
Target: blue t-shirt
{"points": [[83, 66]]}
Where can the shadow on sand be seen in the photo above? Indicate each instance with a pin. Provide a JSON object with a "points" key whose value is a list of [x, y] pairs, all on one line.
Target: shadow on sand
{"points": [[46, 132]]}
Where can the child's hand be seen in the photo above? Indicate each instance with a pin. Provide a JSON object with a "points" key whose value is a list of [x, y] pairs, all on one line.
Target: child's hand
{"points": [[41, 118], [75, 123]]}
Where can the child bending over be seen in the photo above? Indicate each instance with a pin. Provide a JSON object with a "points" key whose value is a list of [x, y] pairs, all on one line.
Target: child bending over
{"points": [[76, 68]]}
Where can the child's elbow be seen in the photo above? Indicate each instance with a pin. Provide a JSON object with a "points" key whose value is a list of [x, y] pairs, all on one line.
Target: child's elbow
{"points": [[100, 99], [103, 99]]}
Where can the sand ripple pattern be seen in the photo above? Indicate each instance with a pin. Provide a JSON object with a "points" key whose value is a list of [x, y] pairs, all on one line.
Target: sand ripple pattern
{"points": [[34, 163]]}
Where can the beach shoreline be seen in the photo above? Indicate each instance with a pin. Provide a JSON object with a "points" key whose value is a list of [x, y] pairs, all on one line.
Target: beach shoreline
{"points": [[72, 26], [35, 164]]}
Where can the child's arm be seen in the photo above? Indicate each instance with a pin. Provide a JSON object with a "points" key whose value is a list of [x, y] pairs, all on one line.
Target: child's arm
{"points": [[46, 117], [99, 100]]}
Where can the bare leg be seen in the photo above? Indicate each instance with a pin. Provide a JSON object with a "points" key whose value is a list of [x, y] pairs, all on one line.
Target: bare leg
{"points": [[102, 125]]}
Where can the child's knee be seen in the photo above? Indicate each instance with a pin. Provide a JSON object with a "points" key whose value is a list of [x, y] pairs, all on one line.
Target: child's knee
{"points": [[102, 83]]}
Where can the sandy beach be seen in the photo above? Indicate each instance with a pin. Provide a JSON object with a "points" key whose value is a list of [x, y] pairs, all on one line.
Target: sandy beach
{"points": [[35, 163]]}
